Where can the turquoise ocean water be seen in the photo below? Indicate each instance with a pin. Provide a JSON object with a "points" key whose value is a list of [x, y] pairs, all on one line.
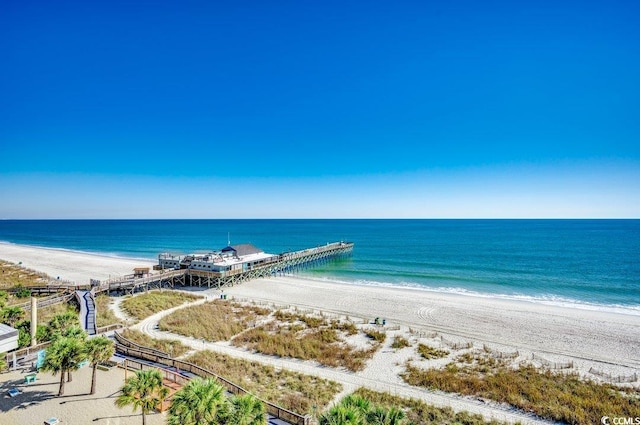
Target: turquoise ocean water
{"points": [[593, 263]]}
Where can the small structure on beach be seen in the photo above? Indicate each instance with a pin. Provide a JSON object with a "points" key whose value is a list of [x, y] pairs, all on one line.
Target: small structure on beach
{"points": [[140, 272]]}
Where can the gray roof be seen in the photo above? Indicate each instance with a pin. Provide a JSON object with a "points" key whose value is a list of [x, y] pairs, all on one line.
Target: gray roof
{"points": [[7, 331], [243, 249]]}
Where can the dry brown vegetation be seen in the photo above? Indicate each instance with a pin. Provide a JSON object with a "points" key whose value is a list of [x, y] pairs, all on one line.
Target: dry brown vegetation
{"points": [[12, 275], [213, 321], [291, 390], [419, 412], [428, 352], [172, 347], [144, 305], [375, 335], [555, 396], [307, 338], [285, 333], [400, 342], [104, 314]]}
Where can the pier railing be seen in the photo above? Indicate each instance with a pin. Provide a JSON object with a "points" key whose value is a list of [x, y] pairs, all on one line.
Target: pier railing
{"points": [[125, 347]]}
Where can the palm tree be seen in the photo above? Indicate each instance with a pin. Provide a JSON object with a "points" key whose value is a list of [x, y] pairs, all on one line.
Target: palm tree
{"points": [[98, 349], [60, 322], [201, 401], [382, 416], [11, 315], [246, 410], [342, 415], [357, 410], [64, 355], [144, 391], [74, 332]]}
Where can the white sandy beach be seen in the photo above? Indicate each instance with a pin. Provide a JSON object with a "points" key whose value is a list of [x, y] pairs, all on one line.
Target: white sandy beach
{"points": [[585, 334], [78, 267], [607, 341]]}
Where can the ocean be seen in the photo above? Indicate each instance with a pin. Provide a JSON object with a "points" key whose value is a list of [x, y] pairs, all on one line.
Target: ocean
{"points": [[588, 263]]}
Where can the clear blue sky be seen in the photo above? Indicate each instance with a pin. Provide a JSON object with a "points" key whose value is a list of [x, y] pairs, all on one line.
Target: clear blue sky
{"points": [[115, 109]]}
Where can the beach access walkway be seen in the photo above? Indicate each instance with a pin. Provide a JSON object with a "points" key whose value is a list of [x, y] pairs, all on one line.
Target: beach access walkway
{"points": [[87, 313]]}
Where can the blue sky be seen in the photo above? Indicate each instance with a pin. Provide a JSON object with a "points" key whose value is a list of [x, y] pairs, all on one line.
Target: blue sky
{"points": [[326, 109]]}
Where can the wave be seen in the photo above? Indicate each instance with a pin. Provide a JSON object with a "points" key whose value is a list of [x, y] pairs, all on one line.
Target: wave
{"points": [[546, 299]]}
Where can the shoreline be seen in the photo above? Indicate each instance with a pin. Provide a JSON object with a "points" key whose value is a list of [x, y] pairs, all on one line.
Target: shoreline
{"points": [[119, 265], [593, 336], [74, 266]]}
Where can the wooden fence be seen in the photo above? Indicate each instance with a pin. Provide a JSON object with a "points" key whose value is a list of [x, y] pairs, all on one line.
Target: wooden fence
{"points": [[552, 365], [496, 354], [456, 345], [619, 379]]}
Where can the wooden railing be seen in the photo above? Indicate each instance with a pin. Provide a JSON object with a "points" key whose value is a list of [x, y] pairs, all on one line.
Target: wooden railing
{"points": [[47, 301], [149, 354], [108, 328], [25, 352]]}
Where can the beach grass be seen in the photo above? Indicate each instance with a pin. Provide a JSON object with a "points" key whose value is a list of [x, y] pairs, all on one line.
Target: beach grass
{"points": [[144, 305], [294, 391], [556, 396], [171, 346], [12, 275], [213, 321], [307, 338], [400, 342], [375, 335], [427, 352], [45, 314], [104, 314], [419, 412]]}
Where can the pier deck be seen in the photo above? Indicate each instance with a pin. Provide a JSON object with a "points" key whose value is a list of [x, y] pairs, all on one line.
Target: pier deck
{"points": [[288, 262]]}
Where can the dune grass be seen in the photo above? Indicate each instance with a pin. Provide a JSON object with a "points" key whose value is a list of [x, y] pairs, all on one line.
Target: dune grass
{"points": [[287, 334], [307, 338], [291, 390], [400, 342], [104, 314], [171, 346], [427, 352], [375, 335], [45, 314], [14, 275], [144, 305], [419, 412], [555, 396], [213, 321]]}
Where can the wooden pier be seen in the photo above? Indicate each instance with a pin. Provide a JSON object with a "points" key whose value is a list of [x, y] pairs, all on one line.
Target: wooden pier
{"points": [[288, 262]]}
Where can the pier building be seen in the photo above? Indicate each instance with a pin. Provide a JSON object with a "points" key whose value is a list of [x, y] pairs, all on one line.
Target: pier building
{"points": [[242, 257]]}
